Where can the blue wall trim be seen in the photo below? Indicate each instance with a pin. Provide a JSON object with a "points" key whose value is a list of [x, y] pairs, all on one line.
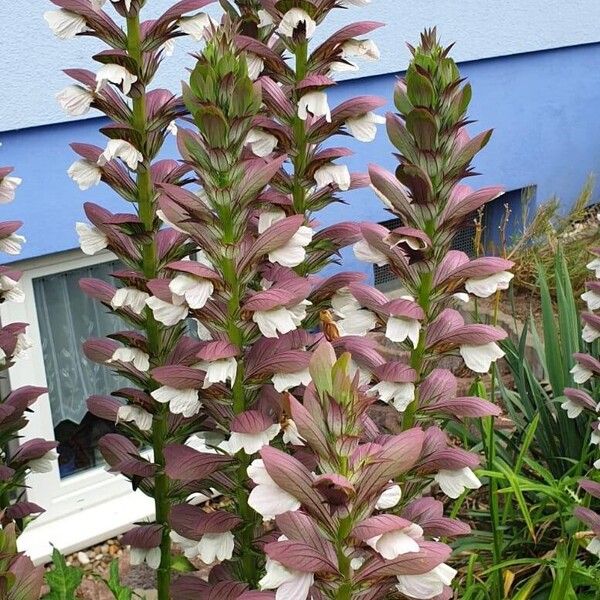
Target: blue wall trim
{"points": [[542, 106]]}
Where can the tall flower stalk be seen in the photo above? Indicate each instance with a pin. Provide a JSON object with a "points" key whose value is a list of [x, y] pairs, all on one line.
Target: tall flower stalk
{"points": [[585, 398], [141, 119], [423, 325], [18, 578]]}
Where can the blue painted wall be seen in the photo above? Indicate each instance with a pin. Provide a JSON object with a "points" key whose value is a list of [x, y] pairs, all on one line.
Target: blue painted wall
{"points": [[543, 107]]}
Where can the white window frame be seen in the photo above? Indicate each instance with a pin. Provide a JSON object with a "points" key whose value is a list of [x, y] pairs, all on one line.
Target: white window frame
{"points": [[84, 508]]}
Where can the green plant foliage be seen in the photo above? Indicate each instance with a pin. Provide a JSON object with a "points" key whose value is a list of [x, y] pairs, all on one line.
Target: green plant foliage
{"points": [[62, 579], [113, 583]]}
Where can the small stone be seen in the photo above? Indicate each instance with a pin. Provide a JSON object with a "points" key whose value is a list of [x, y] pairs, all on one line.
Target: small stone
{"points": [[113, 549], [104, 548], [83, 558]]}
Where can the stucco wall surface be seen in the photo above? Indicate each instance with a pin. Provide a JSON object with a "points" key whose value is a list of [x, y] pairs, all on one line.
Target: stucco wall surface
{"points": [[32, 57]]}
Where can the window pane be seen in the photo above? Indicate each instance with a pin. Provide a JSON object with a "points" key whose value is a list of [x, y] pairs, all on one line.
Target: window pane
{"points": [[67, 317]]}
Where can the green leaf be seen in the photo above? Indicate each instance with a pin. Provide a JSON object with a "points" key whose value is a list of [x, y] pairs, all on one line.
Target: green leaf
{"points": [[62, 579], [182, 564]]}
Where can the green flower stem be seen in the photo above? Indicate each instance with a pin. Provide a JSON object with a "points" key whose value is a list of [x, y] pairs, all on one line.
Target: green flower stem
{"points": [[300, 157], [146, 212], [248, 568], [417, 357]]}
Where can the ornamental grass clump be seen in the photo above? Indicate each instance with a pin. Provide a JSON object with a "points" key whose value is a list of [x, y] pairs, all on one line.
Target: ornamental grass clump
{"points": [[19, 580]]}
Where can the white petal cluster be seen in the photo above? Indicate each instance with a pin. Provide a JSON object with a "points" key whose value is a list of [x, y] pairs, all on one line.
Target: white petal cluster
{"points": [[280, 320], [12, 244], [314, 103], [267, 498], [592, 299], [290, 585], [484, 287], [392, 544], [292, 20], [131, 298], [138, 358], [219, 371], [212, 547], [399, 395], [366, 253], [91, 239], [8, 185], [10, 290], [573, 409], [44, 464], [255, 66], [364, 127], [250, 443], [261, 142], [75, 100], [65, 24], [428, 585], [331, 174], [122, 149], [399, 329], [115, 74], [285, 381], [197, 26], [150, 556], [454, 482], [389, 498], [130, 413], [195, 290], [480, 358], [293, 252], [168, 313], [181, 402], [85, 173]]}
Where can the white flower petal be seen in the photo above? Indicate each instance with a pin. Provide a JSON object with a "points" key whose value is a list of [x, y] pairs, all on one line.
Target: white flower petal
{"points": [[399, 395], [331, 174], [123, 150], [366, 253], [12, 244], [167, 313], [591, 299], [573, 409], [129, 297], [91, 239], [197, 26], [181, 402], [219, 371], [274, 321], [267, 498], [261, 142], [314, 103], [454, 482], [195, 290], [135, 414], [75, 100], [399, 329], [292, 20], [255, 66], [428, 585], [358, 322], [115, 74], [8, 185], [484, 287], [285, 381], [85, 173], [65, 24], [251, 443], [216, 547], [364, 128], [389, 498], [581, 374], [480, 358]]}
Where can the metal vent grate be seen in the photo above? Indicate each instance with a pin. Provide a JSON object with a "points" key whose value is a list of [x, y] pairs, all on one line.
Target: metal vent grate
{"points": [[464, 241]]}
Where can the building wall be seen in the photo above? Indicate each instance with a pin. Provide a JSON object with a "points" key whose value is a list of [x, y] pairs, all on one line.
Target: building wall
{"points": [[32, 57], [542, 106]]}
